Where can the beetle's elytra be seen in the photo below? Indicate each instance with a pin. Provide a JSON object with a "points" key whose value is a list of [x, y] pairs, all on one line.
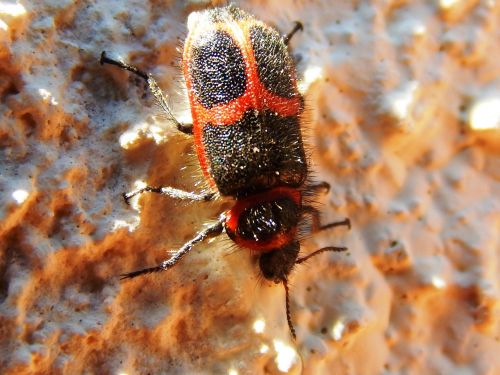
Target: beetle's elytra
{"points": [[244, 102], [246, 112]]}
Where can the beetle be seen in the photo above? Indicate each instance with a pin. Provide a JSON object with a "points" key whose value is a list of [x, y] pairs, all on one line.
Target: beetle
{"points": [[246, 112]]}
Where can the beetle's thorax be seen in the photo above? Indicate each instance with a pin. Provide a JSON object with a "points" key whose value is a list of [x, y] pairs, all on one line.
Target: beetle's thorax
{"points": [[265, 221]]}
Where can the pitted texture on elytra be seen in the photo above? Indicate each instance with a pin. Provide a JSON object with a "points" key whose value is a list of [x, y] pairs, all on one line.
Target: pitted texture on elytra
{"points": [[261, 151], [274, 64], [265, 220], [217, 69]]}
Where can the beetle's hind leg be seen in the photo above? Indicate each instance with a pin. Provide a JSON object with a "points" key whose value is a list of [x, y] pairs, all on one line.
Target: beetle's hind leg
{"points": [[153, 86]]}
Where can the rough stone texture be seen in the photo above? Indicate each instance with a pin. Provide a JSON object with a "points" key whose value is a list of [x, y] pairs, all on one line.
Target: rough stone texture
{"points": [[404, 122]]}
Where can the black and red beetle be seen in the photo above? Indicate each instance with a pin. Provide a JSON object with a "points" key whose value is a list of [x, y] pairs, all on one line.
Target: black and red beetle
{"points": [[246, 112]]}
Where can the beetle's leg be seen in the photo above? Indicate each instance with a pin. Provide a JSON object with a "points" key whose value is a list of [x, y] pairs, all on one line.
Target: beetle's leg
{"points": [[209, 232], [170, 192], [322, 186], [153, 86], [298, 26], [316, 223]]}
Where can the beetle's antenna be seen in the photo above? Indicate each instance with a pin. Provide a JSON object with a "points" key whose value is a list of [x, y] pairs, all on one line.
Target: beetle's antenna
{"points": [[288, 315], [322, 250]]}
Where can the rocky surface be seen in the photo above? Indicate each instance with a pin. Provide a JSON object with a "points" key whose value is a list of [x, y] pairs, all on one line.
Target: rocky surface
{"points": [[403, 119]]}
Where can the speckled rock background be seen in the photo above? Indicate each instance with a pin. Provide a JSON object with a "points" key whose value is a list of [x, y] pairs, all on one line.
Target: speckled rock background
{"points": [[403, 121]]}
